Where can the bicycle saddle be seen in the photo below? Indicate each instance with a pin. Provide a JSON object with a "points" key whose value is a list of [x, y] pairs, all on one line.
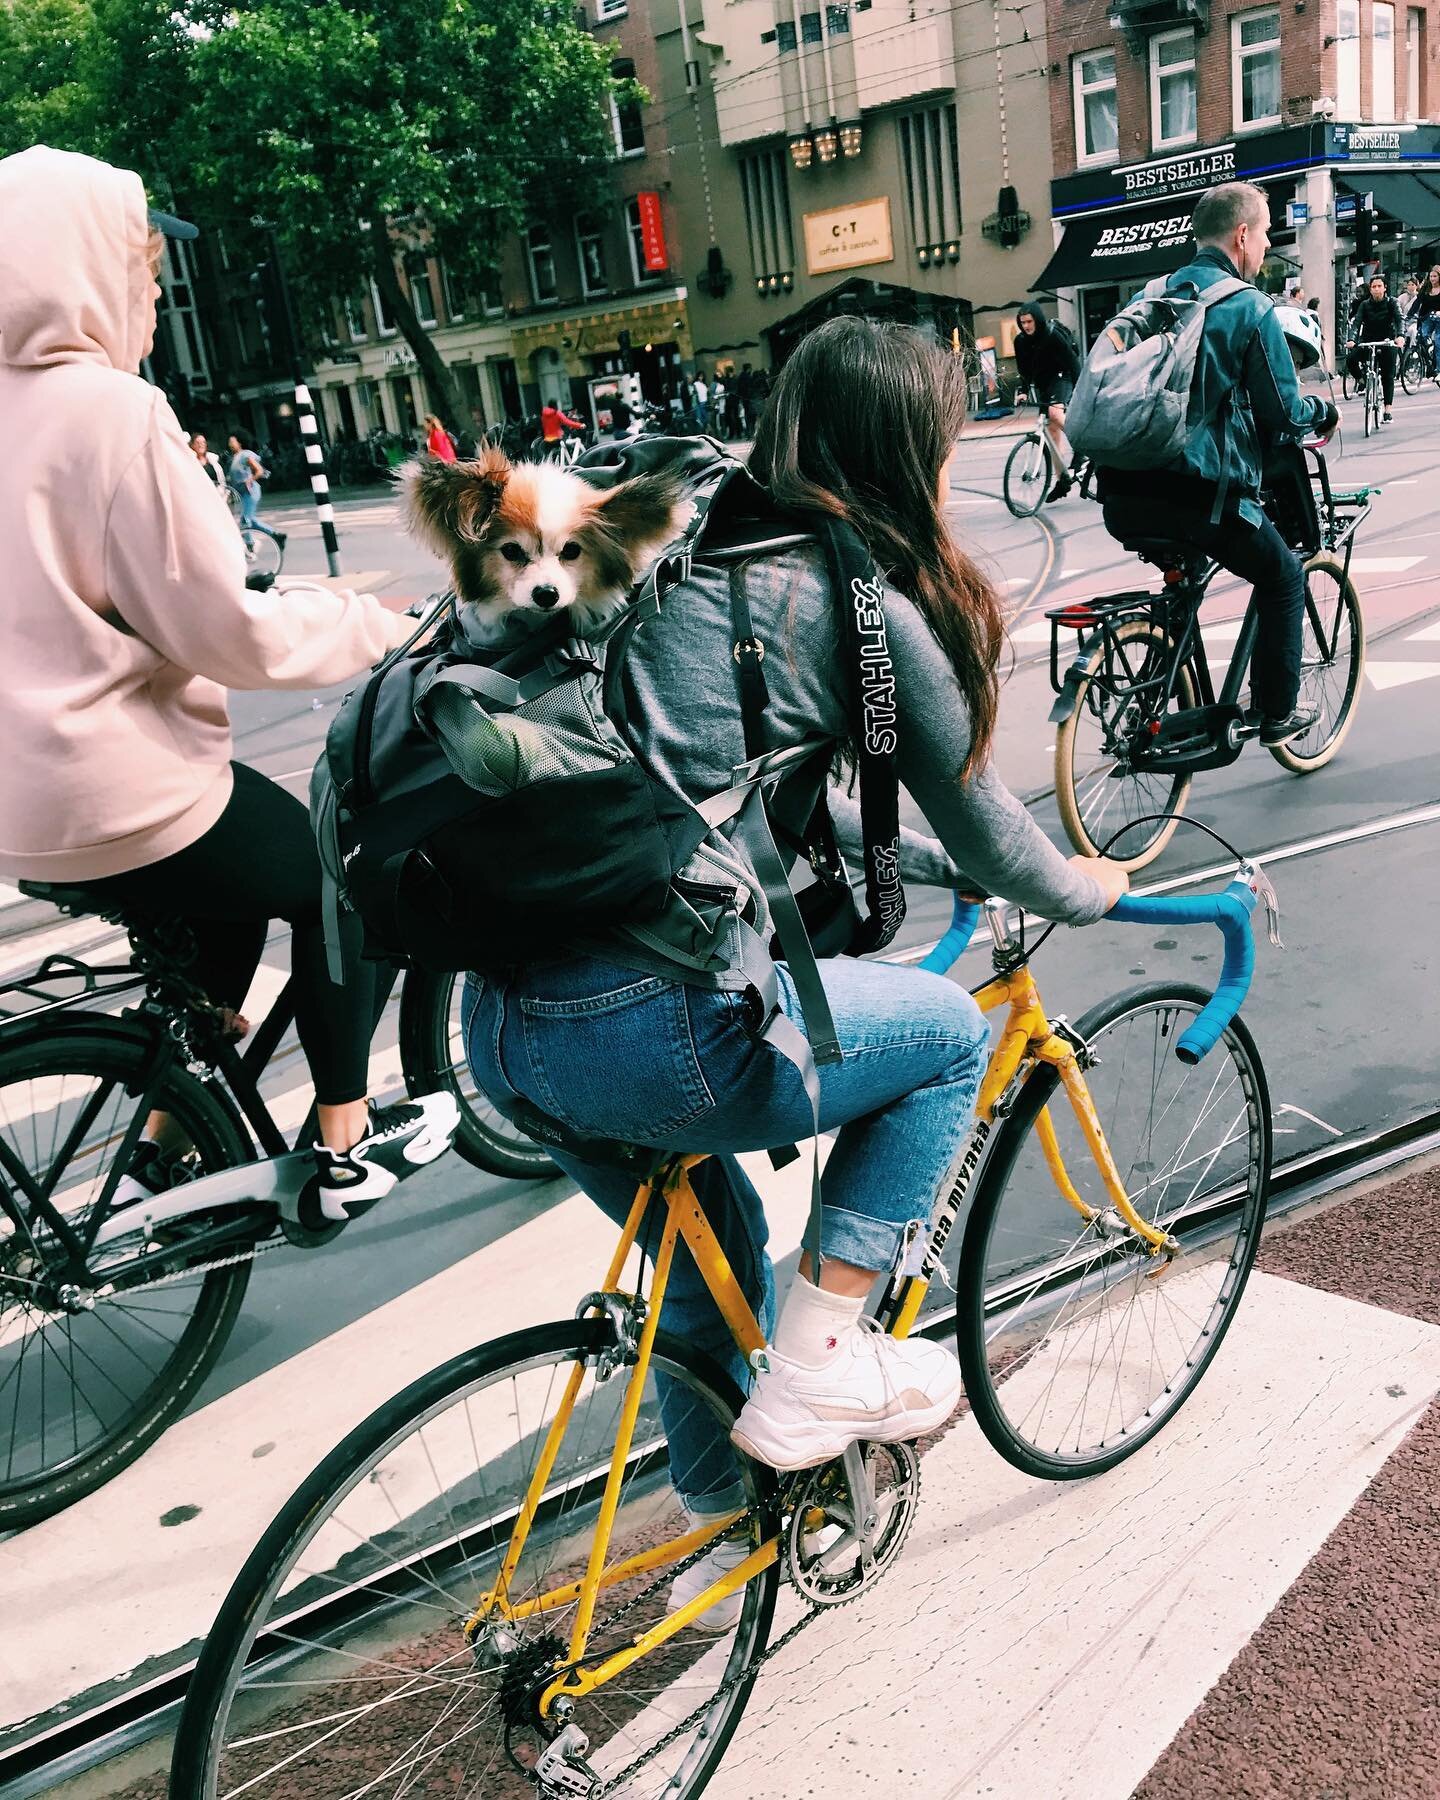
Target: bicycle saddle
{"points": [[68, 896], [1165, 553]]}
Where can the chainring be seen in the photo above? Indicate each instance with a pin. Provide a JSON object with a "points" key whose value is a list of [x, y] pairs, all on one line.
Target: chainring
{"points": [[829, 1570]]}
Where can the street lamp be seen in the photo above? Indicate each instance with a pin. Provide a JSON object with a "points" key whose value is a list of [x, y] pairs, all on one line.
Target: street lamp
{"points": [[801, 151], [827, 144], [850, 138]]}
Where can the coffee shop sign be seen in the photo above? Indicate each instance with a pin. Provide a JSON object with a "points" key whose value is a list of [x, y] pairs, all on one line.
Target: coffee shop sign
{"points": [[1175, 174]]}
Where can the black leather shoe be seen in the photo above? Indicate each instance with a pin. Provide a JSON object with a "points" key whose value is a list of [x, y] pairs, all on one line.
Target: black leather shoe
{"points": [[1277, 731], [1061, 488]]}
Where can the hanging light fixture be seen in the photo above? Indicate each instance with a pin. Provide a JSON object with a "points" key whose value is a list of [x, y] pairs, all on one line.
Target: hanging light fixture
{"points": [[851, 135], [787, 281], [801, 151], [827, 144], [922, 256], [774, 284], [952, 250]]}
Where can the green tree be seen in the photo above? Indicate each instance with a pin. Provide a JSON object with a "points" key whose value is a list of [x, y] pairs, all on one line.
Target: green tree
{"points": [[362, 130]]}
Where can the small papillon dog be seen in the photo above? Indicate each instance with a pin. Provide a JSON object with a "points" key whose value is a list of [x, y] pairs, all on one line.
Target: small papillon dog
{"points": [[525, 539]]}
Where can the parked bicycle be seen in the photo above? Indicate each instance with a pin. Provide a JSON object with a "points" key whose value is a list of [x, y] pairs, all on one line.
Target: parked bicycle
{"points": [[1137, 710], [113, 1310], [471, 1595]]}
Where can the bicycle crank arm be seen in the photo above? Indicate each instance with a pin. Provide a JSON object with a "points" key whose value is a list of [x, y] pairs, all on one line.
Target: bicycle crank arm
{"points": [[277, 1182]]}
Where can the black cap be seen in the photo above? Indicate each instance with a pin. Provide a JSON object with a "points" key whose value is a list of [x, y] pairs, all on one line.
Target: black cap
{"points": [[171, 226]]}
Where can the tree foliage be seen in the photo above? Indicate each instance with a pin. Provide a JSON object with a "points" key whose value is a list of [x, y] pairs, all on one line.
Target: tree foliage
{"points": [[354, 127]]}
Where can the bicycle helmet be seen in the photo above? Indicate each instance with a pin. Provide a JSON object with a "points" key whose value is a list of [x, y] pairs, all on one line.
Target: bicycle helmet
{"points": [[1302, 334]]}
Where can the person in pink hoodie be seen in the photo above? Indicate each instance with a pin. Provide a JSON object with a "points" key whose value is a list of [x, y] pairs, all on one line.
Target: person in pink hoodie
{"points": [[126, 618]]}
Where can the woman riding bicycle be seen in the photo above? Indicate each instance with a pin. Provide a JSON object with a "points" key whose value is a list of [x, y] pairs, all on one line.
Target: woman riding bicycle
{"points": [[127, 616], [862, 426], [1376, 329]]}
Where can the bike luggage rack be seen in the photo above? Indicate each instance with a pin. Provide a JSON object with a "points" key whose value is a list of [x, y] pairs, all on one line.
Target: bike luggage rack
{"points": [[1086, 617], [64, 981]]}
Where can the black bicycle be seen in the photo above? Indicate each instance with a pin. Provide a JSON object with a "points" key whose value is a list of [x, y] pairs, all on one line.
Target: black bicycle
{"points": [[1418, 364], [1371, 390], [1137, 710], [114, 1305]]}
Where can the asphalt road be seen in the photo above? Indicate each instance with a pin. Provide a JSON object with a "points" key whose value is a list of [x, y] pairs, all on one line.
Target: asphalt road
{"points": [[1342, 1015]]}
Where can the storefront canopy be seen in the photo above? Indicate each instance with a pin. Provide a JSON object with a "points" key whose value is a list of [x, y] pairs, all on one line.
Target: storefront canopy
{"points": [[1122, 246], [1412, 199]]}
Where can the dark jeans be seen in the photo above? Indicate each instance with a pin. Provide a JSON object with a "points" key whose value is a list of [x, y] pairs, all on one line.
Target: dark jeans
{"points": [[1360, 355], [256, 863], [1256, 553]]}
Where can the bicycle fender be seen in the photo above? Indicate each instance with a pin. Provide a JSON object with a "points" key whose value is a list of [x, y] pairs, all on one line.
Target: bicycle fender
{"points": [[1069, 694]]}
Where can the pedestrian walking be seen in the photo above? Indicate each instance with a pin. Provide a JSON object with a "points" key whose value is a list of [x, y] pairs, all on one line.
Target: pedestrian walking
{"points": [[208, 461], [438, 441], [702, 401], [245, 473]]}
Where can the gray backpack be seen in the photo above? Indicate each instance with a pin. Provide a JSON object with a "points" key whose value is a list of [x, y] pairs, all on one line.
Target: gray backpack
{"points": [[1130, 409]]}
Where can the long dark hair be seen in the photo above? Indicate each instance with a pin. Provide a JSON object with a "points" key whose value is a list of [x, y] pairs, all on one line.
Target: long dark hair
{"points": [[859, 425]]}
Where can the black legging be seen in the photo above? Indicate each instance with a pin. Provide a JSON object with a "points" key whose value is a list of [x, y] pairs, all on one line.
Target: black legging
{"points": [[1359, 356], [256, 863]]}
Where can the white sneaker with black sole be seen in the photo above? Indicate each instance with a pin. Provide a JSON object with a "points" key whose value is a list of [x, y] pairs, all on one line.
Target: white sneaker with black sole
{"points": [[871, 1387], [398, 1140]]}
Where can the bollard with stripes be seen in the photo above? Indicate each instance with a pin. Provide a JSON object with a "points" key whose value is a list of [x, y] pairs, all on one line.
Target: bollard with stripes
{"points": [[319, 480], [279, 288]]}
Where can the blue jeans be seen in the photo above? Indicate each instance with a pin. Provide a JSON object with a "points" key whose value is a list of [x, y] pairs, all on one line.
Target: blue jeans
{"points": [[611, 1052], [249, 499]]}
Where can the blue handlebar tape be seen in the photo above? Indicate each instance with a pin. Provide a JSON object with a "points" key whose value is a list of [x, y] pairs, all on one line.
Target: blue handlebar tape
{"points": [[1231, 912], [963, 920]]}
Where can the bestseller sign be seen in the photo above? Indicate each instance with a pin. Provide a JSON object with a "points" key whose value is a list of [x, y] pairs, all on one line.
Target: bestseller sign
{"points": [[848, 237]]}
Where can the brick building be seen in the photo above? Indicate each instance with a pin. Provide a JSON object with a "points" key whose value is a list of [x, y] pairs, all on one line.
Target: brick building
{"points": [[1323, 102]]}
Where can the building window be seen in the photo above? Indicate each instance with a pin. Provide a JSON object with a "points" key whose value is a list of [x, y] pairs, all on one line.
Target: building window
{"points": [[1097, 121], [355, 319], [452, 296], [1347, 59], [1255, 67], [767, 215], [590, 254], [1414, 52], [635, 233], [610, 9], [1172, 89], [930, 156], [1382, 67], [625, 120], [422, 297], [384, 324], [492, 301], [540, 254]]}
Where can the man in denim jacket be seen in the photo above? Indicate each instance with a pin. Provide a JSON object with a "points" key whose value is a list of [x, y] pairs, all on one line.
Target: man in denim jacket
{"points": [[1244, 401]]}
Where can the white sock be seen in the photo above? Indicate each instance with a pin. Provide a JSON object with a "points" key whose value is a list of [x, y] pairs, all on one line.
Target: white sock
{"points": [[812, 1321]]}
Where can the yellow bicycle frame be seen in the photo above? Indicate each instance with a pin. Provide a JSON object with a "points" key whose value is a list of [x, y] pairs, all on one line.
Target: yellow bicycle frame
{"points": [[1026, 1040]]}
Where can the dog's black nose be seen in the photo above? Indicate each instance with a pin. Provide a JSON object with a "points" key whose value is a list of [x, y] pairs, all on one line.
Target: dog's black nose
{"points": [[545, 597]]}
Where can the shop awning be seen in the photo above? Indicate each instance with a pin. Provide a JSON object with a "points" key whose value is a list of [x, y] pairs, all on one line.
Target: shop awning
{"points": [[1413, 199], [1122, 246]]}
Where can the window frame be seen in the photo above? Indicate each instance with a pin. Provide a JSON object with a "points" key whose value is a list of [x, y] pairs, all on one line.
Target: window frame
{"points": [[1241, 53], [1414, 62], [595, 234], [454, 303], [608, 10], [1376, 84], [353, 309], [1079, 90], [423, 276], [624, 152], [377, 306], [1347, 52], [1158, 141], [548, 247]]}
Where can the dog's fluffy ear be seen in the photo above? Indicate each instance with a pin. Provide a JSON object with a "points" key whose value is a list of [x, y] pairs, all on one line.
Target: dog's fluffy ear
{"points": [[644, 509], [448, 505]]}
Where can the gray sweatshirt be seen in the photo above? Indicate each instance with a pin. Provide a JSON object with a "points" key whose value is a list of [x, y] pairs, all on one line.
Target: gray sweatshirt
{"points": [[685, 715]]}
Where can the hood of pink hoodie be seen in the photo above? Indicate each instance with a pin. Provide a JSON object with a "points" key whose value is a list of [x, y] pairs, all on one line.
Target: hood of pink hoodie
{"points": [[75, 283]]}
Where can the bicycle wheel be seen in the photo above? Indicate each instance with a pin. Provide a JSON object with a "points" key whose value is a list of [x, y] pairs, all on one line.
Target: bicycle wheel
{"points": [[1077, 1346], [1097, 789], [432, 1053], [1028, 476], [338, 1662], [1413, 373], [1332, 665], [83, 1392], [1372, 406]]}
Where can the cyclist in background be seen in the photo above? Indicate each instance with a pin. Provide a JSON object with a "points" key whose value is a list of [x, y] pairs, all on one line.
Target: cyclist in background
{"points": [[126, 617], [1244, 399], [1376, 329], [1048, 363], [1425, 315], [554, 423]]}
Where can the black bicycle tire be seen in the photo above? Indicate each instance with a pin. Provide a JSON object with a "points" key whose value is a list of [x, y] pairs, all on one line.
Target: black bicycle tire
{"points": [[265, 1567], [1065, 800], [221, 1294], [1284, 754], [1412, 369], [1037, 1091], [424, 1057], [1024, 512]]}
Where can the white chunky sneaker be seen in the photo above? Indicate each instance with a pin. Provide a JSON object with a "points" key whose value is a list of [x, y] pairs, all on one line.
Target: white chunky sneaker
{"points": [[871, 1386], [726, 1554], [398, 1140]]}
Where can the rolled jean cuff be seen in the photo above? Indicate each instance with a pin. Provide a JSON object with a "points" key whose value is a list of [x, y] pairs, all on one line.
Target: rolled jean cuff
{"points": [[857, 1238], [715, 1505]]}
